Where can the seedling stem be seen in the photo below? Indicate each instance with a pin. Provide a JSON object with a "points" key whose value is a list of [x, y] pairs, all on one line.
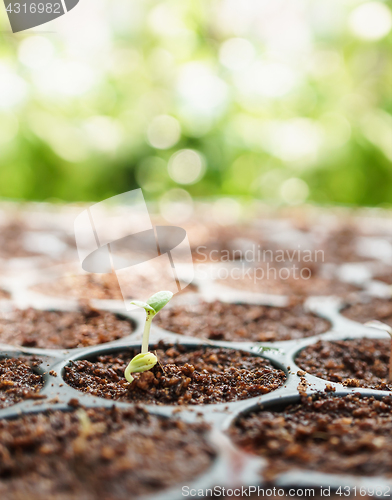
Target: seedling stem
{"points": [[146, 333], [147, 360]]}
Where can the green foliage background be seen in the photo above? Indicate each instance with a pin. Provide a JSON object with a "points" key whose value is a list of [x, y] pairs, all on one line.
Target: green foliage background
{"points": [[134, 60]]}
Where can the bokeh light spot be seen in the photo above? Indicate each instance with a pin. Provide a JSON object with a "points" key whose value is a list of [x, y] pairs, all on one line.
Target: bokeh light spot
{"points": [[200, 88], [164, 132], [13, 89], [371, 21], [294, 191], [103, 132], [267, 79], [35, 52], [66, 77], [236, 53], [176, 206], [186, 166], [293, 140]]}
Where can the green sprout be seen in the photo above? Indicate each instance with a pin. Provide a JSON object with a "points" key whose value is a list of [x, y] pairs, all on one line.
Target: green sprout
{"points": [[85, 423], [147, 360], [386, 328], [86, 429], [264, 348]]}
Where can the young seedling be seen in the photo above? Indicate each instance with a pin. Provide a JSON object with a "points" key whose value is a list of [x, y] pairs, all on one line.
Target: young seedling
{"points": [[147, 360], [386, 328], [263, 348], [80, 443]]}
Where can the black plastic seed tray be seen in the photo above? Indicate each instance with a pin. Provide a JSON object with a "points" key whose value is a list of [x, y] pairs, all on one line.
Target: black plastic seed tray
{"points": [[225, 470]]}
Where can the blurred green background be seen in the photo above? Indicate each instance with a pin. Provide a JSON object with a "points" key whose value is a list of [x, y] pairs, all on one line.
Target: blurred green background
{"points": [[281, 100]]}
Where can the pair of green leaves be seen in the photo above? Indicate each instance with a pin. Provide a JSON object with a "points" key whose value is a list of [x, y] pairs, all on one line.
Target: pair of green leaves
{"points": [[155, 303]]}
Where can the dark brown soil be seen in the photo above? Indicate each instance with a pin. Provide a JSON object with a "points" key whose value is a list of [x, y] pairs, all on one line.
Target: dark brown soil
{"points": [[59, 329], [11, 241], [183, 376], [4, 294], [341, 246], [88, 286], [294, 278], [241, 322], [341, 435], [386, 278], [211, 241], [15, 238], [102, 287], [316, 287], [373, 308], [98, 454], [18, 381], [354, 363]]}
